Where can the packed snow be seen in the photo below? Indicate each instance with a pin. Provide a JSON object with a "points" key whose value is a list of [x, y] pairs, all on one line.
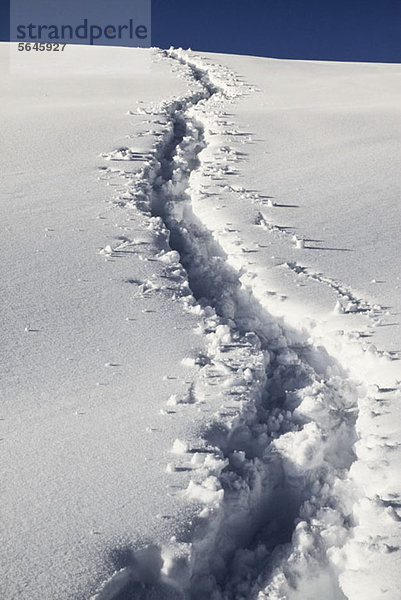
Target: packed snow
{"points": [[201, 384]]}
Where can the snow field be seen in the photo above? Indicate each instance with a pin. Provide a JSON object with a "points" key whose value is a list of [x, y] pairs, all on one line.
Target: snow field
{"points": [[228, 424]]}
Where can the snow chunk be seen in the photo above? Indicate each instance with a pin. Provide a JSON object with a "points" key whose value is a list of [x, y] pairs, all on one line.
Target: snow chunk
{"points": [[209, 492], [303, 450], [179, 447]]}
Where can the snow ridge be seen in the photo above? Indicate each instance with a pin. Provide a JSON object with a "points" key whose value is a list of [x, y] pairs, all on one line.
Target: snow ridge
{"points": [[272, 477]]}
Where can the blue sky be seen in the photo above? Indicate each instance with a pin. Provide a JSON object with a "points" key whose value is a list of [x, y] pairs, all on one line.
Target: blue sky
{"points": [[359, 30]]}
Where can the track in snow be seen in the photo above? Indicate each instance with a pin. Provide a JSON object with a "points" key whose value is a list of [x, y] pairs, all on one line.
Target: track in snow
{"points": [[275, 489]]}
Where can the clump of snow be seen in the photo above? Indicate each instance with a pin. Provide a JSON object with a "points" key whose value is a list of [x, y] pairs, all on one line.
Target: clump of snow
{"points": [[180, 447]]}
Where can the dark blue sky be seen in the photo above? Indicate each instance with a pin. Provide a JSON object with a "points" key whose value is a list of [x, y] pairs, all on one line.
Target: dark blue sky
{"points": [[359, 30]]}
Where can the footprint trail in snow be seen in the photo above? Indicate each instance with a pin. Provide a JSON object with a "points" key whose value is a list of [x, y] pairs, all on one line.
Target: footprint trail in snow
{"points": [[280, 472]]}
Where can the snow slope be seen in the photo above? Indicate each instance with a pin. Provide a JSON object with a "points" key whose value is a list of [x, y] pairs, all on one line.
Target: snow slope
{"points": [[268, 442], [330, 143], [89, 357]]}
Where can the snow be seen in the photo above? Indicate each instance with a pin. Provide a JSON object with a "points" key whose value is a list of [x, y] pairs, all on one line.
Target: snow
{"points": [[326, 150], [88, 359], [203, 395]]}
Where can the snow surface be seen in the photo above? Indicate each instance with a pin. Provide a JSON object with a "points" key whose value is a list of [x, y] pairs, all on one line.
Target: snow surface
{"points": [[201, 385], [88, 358]]}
